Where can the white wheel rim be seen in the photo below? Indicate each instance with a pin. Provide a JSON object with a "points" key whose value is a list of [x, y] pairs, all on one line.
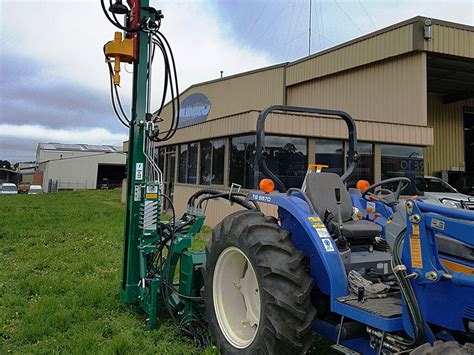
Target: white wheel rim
{"points": [[236, 297]]}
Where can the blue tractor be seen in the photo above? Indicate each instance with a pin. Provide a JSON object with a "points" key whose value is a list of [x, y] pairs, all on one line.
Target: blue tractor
{"points": [[374, 274]]}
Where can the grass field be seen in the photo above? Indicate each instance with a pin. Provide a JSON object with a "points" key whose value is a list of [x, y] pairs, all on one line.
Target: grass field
{"points": [[60, 265]]}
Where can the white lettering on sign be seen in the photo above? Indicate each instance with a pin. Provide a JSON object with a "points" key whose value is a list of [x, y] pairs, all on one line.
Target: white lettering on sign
{"points": [[437, 224], [261, 198], [139, 171]]}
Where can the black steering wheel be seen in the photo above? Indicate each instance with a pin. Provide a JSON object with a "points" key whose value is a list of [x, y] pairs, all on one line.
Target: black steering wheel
{"points": [[387, 197]]}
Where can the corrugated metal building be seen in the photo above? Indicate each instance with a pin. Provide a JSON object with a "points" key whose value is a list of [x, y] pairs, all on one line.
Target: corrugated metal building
{"points": [[63, 167], [410, 88]]}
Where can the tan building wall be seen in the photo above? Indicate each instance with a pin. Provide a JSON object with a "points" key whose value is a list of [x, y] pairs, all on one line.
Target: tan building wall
{"points": [[450, 40], [390, 91], [28, 178], [447, 153], [239, 93], [358, 52], [305, 126]]}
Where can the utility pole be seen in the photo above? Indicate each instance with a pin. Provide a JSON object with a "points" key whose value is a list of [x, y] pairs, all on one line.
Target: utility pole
{"points": [[309, 27]]}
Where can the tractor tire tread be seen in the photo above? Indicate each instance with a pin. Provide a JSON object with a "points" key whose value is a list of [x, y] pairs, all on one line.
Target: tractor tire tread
{"points": [[287, 312]]}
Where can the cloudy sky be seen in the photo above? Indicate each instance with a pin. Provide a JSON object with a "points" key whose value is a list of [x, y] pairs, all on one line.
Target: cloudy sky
{"points": [[54, 83]]}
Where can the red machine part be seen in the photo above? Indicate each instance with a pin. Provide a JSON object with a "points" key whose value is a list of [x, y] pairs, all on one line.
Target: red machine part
{"points": [[134, 21]]}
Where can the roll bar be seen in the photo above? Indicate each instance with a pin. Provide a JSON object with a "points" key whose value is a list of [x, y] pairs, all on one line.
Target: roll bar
{"points": [[260, 153]]}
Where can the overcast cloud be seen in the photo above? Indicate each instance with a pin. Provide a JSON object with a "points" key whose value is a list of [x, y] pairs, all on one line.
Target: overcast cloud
{"points": [[54, 82]]}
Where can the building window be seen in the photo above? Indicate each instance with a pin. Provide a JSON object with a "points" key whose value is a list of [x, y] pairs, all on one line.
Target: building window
{"points": [[212, 162], [401, 160], [242, 159], [288, 159], [192, 163], [365, 166], [187, 169], [160, 157], [330, 152]]}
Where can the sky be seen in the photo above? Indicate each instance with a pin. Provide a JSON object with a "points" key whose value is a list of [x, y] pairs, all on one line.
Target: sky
{"points": [[54, 83]]}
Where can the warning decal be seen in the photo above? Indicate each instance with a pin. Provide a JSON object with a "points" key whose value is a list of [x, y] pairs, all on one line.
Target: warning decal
{"points": [[314, 219], [139, 171], [327, 244], [415, 251], [415, 230], [323, 232]]}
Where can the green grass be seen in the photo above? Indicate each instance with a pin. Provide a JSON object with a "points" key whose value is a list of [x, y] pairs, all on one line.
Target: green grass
{"points": [[60, 265]]}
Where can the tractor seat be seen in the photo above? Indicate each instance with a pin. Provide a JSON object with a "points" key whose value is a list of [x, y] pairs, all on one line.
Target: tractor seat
{"points": [[320, 190], [356, 229]]}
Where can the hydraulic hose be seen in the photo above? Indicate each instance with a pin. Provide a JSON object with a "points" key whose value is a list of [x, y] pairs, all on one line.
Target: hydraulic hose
{"points": [[406, 289]]}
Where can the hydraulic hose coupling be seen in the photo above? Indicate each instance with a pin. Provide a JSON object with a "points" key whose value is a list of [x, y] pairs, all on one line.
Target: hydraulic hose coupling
{"points": [[119, 51]]}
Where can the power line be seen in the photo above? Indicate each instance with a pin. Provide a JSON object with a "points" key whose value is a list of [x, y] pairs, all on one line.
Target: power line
{"points": [[289, 30], [321, 15], [271, 24], [296, 28], [347, 15], [252, 27], [367, 14], [318, 16]]}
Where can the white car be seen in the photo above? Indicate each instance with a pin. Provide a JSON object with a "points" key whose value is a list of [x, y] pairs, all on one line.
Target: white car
{"points": [[9, 189], [35, 190], [439, 191]]}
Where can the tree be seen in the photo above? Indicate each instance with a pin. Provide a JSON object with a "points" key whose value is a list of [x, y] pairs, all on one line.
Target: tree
{"points": [[5, 164]]}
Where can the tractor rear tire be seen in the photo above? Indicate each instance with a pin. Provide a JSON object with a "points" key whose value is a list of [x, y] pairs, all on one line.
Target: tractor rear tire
{"points": [[257, 290]]}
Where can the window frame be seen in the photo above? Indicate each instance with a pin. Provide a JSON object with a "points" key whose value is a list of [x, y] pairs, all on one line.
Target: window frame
{"points": [[211, 167]]}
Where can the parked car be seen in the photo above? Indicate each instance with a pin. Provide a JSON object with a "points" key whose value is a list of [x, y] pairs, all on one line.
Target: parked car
{"points": [[23, 187], [439, 191], [35, 190], [9, 189]]}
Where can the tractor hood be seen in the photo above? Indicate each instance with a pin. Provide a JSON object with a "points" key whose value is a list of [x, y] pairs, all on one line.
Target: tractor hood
{"points": [[451, 199]]}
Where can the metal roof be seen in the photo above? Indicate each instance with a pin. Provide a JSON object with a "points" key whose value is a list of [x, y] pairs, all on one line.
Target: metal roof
{"points": [[80, 147]]}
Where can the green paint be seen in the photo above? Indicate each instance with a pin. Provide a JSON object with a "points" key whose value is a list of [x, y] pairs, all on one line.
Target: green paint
{"points": [[142, 242]]}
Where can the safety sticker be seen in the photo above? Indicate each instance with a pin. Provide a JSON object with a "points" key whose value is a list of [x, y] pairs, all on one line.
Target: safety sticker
{"points": [[415, 228], [435, 223], [370, 207], [314, 219], [139, 171], [415, 251], [323, 233], [152, 189], [137, 195], [327, 244], [318, 225]]}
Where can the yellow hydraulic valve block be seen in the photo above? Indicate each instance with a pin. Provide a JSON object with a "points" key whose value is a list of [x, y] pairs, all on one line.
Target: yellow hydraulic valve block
{"points": [[119, 51]]}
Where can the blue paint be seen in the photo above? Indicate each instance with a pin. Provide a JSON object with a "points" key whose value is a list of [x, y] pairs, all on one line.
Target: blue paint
{"points": [[194, 109], [443, 302]]}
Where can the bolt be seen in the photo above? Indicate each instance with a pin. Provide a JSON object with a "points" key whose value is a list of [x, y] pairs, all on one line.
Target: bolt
{"points": [[431, 275]]}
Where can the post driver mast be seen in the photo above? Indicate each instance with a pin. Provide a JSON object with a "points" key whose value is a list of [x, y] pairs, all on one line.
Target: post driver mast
{"points": [[134, 48], [152, 247]]}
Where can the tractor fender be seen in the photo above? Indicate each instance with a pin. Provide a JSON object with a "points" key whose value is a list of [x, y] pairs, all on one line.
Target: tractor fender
{"points": [[310, 236]]}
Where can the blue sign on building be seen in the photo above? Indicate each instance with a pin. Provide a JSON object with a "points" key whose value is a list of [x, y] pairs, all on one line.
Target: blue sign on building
{"points": [[194, 109]]}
